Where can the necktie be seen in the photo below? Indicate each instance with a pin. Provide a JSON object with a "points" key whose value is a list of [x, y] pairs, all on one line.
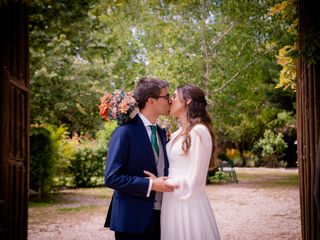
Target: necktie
{"points": [[154, 142]]}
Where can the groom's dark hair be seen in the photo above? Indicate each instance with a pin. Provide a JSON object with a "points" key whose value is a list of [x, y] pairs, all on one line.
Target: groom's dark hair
{"points": [[148, 87]]}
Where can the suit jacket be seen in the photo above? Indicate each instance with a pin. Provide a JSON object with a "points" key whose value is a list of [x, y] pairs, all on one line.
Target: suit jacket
{"points": [[130, 153]]}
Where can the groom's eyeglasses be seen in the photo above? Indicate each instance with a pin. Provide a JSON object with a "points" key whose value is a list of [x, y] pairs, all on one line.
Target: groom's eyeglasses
{"points": [[167, 97]]}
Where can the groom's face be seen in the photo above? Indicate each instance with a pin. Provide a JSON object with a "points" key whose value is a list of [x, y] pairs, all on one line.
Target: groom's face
{"points": [[163, 102]]}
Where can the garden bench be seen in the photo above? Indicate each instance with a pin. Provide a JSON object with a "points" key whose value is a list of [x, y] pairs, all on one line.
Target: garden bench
{"points": [[227, 167]]}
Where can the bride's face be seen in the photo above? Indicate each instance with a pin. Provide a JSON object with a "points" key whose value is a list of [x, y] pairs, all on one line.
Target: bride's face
{"points": [[178, 105]]}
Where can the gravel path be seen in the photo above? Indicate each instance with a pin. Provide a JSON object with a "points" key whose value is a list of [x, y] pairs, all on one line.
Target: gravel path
{"points": [[263, 205]]}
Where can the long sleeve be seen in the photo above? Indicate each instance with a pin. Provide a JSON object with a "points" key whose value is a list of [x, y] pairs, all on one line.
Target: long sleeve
{"points": [[116, 174], [199, 156]]}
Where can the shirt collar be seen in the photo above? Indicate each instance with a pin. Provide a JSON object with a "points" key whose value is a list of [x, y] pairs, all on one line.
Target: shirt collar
{"points": [[145, 121]]}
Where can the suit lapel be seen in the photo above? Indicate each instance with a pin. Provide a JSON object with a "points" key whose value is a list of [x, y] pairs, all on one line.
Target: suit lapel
{"points": [[143, 138]]}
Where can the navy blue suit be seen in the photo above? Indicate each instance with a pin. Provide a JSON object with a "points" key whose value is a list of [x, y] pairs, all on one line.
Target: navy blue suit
{"points": [[130, 153]]}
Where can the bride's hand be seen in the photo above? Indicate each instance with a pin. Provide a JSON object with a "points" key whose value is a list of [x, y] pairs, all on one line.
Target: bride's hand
{"points": [[172, 182]]}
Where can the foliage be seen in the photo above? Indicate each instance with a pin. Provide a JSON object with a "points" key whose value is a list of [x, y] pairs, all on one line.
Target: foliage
{"points": [[62, 151], [41, 160], [63, 161], [287, 9], [65, 84], [287, 54], [287, 76], [232, 153], [79, 49], [271, 149], [283, 123], [65, 149], [235, 156], [87, 166], [103, 136]]}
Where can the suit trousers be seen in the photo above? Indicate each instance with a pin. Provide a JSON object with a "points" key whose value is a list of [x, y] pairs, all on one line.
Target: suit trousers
{"points": [[152, 231]]}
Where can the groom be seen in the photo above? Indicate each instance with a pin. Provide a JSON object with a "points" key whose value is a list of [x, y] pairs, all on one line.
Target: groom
{"points": [[135, 147]]}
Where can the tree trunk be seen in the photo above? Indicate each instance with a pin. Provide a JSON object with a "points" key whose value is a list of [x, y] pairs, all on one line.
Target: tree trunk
{"points": [[308, 122], [205, 50]]}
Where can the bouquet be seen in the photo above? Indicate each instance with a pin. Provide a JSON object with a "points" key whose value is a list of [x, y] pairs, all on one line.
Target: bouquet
{"points": [[118, 105]]}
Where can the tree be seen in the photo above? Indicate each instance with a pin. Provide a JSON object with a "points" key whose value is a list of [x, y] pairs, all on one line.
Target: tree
{"points": [[225, 47]]}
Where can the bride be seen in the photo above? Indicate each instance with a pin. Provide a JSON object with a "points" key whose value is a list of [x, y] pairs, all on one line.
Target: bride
{"points": [[186, 212]]}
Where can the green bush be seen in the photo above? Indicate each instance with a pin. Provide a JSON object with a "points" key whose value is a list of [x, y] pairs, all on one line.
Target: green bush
{"points": [[87, 166], [103, 136], [270, 150], [237, 161], [251, 162], [41, 160], [88, 163], [64, 151], [58, 160]]}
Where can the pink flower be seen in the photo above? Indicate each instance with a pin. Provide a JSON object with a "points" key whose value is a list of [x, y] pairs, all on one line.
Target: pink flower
{"points": [[119, 105]]}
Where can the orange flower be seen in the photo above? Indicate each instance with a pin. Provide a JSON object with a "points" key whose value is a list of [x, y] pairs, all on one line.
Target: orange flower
{"points": [[118, 105], [123, 106]]}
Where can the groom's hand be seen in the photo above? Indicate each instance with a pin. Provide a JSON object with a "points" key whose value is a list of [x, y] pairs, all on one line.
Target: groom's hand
{"points": [[159, 184]]}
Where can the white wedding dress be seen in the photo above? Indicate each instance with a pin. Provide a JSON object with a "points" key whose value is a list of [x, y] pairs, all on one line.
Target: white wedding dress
{"points": [[186, 213]]}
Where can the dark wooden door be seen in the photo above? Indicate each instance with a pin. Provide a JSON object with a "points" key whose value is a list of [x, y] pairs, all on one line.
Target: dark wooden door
{"points": [[308, 118], [14, 115]]}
